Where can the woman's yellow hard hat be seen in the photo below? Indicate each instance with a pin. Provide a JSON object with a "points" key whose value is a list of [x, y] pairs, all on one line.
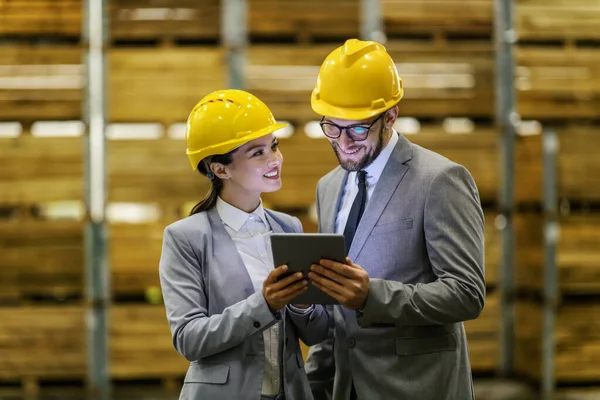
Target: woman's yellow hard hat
{"points": [[223, 121]]}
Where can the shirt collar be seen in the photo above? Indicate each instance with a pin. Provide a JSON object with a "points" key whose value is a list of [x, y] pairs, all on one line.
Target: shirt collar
{"points": [[375, 169], [236, 218]]}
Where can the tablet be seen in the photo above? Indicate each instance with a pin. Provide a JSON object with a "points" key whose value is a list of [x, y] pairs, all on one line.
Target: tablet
{"points": [[300, 250]]}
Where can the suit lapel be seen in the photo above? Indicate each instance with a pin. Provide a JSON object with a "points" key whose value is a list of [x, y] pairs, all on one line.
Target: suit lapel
{"points": [[224, 249], [330, 199], [274, 224], [392, 175]]}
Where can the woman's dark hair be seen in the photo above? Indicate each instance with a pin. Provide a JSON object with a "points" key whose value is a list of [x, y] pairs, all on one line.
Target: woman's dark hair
{"points": [[210, 199]]}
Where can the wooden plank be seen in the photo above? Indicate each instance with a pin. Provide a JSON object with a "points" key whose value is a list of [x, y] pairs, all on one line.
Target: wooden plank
{"points": [[578, 164], [37, 170], [305, 19], [162, 84], [40, 82], [152, 171], [558, 19], [53, 347], [558, 83], [46, 257], [135, 251], [578, 254], [42, 341], [139, 337], [419, 16], [141, 19], [40, 17], [577, 341]]}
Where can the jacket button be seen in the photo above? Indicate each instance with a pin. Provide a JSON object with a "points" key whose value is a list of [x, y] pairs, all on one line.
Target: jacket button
{"points": [[256, 324], [351, 343]]}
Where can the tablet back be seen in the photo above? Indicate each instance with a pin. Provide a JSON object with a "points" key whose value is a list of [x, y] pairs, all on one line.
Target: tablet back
{"points": [[300, 250]]}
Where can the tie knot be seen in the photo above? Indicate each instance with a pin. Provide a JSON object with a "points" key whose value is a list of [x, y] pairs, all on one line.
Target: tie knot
{"points": [[362, 176]]}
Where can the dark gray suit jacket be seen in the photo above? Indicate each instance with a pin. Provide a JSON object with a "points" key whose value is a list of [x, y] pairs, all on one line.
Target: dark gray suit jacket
{"points": [[421, 240]]}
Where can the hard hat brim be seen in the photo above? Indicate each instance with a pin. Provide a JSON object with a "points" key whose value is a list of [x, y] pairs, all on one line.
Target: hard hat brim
{"points": [[352, 114], [223, 148]]}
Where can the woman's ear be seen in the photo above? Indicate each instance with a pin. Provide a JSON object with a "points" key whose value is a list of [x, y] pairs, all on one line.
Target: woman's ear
{"points": [[219, 170]]}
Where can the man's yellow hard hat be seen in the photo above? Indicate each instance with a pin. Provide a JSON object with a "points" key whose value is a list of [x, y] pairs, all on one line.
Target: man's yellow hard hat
{"points": [[357, 81], [225, 120]]}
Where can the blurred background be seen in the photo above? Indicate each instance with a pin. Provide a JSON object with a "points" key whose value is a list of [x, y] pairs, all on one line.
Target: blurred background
{"points": [[94, 95]]}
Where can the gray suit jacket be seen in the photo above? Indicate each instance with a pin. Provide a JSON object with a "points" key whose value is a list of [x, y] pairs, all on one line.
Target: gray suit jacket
{"points": [[217, 319], [421, 241]]}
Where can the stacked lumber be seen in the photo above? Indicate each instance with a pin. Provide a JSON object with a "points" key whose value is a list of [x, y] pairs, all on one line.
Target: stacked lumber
{"points": [[303, 21], [557, 83], [140, 344], [162, 84], [40, 17], [39, 83], [557, 19], [402, 17], [164, 20], [37, 170], [49, 342], [577, 253], [577, 341], [42, 342]]}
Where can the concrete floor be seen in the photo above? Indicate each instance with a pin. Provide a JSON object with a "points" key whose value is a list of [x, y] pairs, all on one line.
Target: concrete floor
{"points": [[485, 389]]}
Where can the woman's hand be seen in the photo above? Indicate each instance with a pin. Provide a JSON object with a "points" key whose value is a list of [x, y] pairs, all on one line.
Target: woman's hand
{"points": [[278, 293]]}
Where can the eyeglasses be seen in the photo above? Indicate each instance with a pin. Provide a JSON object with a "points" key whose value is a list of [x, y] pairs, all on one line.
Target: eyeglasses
{"points": [[357, 133]]}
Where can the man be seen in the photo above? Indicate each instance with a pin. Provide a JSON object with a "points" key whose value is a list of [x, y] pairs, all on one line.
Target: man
{"points": [[413, 225]]}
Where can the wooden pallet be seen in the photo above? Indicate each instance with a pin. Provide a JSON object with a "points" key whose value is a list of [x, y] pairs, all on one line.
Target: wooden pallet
{"points": [[164, 21], [40, 17], [53, 348], [577, 166], [156, 84], [38, 170], [557, 19], [576, 341], [26, 97], [303, 21], [472, 17], [558, 83], [578, 254]]}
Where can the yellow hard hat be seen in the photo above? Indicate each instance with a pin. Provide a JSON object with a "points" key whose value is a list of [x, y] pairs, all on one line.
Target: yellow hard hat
{"points": [[357, 81], [223, 121]]}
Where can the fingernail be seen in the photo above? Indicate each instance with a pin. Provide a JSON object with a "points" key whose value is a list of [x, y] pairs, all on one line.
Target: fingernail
{"points": [[284, 267], [299, 275]]}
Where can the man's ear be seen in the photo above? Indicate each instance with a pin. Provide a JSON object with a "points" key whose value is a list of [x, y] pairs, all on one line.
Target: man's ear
{"points": [[390, 117], [219, 170]]}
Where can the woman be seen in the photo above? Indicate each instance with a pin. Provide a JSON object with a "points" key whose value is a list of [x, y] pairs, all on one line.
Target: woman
{"points": [[225, 305]]}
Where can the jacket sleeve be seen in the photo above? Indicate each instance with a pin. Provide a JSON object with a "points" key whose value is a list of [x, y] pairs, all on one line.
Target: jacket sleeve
{"points": [[453, 229], [195, 334], [320, 363], [311, 326]]}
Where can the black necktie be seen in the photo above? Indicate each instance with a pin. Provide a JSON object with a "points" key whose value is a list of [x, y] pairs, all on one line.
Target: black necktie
{"points": [[358, 207]]}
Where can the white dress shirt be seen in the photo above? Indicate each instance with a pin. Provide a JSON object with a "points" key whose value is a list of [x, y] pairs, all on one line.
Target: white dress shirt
{"points": [[250, 233], [374, 171]]}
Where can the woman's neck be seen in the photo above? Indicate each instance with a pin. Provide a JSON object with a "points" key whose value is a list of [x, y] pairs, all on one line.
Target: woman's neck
{"points": [[246, 202]]}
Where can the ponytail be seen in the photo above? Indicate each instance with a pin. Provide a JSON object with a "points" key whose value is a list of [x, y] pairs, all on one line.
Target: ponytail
{"points": [[210, 200]]}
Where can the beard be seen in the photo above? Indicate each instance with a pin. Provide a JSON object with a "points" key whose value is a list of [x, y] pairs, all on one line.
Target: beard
{"points": [[365, 161]]}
